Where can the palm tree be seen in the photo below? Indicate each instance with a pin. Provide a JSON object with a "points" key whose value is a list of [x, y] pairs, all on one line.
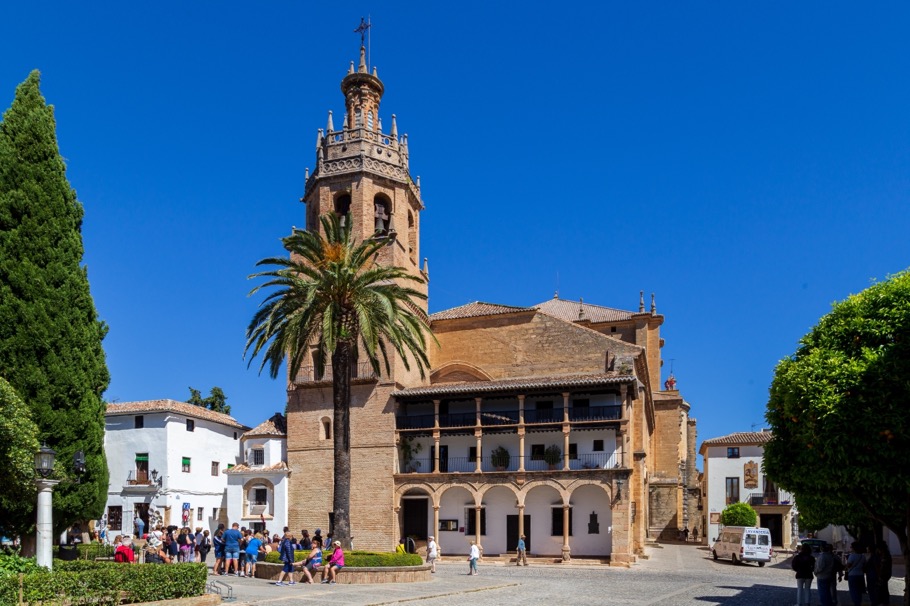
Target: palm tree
{"points": [[331, 296]]}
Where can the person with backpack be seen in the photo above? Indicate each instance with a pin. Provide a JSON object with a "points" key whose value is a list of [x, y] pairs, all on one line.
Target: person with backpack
{"points": [[170, 541], [804, 565], [205, 545], [124, 553], [855, 581]]}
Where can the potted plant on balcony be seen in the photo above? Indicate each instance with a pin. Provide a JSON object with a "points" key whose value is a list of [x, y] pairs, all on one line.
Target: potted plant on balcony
{"points": [[552, 455], [409, 450], [500, 458]]}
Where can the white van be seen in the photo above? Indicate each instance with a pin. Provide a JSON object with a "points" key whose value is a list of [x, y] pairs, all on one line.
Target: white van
{"points": [[744, 544]]}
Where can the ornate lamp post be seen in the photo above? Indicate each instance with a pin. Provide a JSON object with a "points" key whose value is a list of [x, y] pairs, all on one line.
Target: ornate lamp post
{"points": [[44, 467]]}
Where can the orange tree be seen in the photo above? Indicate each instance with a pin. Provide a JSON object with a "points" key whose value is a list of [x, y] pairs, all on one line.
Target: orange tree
{"points": [[839, 409], [332, 296]]}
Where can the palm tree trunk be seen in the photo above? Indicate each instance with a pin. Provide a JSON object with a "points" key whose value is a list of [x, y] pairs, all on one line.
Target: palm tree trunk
{"points": [[341, 400]]}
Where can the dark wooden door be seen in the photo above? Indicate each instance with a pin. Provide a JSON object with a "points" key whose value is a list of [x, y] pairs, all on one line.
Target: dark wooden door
{"points": [[415, 518], [512, 533]]}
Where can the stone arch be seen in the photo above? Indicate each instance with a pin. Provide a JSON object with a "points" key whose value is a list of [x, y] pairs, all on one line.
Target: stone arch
{"points": [[431, 491], [248, 509], [458, 371], [575, 484], [342, 206], [382, 214], [325, 428], [563, 491]]}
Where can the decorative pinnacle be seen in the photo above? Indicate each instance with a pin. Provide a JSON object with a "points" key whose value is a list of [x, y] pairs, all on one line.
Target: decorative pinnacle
{"points": [[426, 267], [375, 75], [556, 294], [362, 68], [641, 301], [581, 308], [319, 137], [351, 69], [306, 175], [394, 132], [329, 127], [653, 306]]}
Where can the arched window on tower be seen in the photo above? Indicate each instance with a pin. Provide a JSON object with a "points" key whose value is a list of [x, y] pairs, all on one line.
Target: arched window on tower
{"points": [[343, 208], [358, 118], [370, 120], [382, 214], [412, 238]]}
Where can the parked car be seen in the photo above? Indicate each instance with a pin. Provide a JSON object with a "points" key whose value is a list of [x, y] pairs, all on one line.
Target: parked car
{"points": [[744, 544]]}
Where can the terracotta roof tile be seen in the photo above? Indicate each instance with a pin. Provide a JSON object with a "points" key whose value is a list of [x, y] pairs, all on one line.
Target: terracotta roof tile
{"points": [[476, 309], [501, 385], [189, 410], [742, 437], [244, 468], [275, 426], [573, 311]]}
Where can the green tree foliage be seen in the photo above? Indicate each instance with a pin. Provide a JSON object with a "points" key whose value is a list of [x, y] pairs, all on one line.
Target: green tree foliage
{"points": [[18, 444], [840, 412], [50, 335], [739, 514], [332, 295], [215, 401]]}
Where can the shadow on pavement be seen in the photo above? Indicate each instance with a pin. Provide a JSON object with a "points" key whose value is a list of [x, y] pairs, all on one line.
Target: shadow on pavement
{"points": [[754, 595]]}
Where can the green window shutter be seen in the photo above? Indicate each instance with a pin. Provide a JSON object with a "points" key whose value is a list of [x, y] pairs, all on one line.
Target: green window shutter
{"points": [[186, 460], [230, 466], [142, 457]]}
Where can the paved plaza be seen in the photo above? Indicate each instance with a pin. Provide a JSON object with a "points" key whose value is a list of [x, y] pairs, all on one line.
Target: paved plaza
{"points": [[675, 574]]}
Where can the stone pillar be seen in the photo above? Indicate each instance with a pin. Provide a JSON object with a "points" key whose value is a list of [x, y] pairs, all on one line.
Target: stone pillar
{"points": [[565, 407], [565, 447], [436, 447], [45, 526], [478, 402], [435, 520], [521, 449], [477, 511], [566, 550], [521, 522], [521, 410], [479, 435], [435, 413]]}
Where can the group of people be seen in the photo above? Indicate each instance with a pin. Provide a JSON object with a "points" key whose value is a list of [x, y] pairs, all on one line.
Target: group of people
{"points": [[866, 570], [165, 546], [238, 549]]}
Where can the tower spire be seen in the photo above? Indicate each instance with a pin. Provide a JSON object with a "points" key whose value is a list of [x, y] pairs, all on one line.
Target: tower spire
{"points": [[641, 301]]}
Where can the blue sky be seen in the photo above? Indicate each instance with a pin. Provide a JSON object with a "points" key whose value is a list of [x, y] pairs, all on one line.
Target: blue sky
{"points": [[748, 163]]}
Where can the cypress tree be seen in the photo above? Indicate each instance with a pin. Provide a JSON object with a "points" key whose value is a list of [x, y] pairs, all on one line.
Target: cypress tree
{"points": [[50, 334]]}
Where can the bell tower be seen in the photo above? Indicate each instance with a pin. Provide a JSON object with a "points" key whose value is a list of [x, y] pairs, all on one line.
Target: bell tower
{"points": [[362, 175]]}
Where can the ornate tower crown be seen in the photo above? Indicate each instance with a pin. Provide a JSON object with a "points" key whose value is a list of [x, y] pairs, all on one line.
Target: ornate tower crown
{"points": [[362, 173]]}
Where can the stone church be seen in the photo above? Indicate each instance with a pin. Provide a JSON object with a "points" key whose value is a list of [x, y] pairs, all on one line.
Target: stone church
{"points": [[547, 421]]}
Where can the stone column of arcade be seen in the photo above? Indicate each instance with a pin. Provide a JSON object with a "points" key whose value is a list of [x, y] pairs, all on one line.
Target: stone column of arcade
{"points": [[44, 466]]}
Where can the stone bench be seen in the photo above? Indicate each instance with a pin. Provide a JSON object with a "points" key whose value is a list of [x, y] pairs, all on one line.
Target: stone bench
{"points": [[352, 576]]}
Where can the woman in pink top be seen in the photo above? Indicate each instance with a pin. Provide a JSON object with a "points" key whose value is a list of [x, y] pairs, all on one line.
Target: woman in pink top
{"points": [[336, 563]]}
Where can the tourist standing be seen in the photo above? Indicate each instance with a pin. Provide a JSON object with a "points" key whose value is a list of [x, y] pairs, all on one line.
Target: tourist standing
{"points": [[473, 557], [804, 565], [873, 562], [522, 552], [140, 527], [218, 544], [232, 540], [286, 555], [855, 582], [432, 552], [825, 574]]}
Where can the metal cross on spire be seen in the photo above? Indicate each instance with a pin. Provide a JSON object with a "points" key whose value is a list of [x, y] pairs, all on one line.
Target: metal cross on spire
{"points": [[362, 29]]}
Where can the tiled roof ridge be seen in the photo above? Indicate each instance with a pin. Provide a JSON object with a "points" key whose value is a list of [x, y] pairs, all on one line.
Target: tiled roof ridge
{"points": [[585, 304], [476, 309], [169, 405], [510, 383], [276, 425], [741, 437]]}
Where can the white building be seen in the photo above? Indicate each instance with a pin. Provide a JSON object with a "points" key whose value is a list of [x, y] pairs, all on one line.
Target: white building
{"points": [[167, 461], [733, 473], [257, 488]]}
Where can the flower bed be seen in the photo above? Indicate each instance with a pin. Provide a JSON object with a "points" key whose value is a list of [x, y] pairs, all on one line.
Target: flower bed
{"points": [[360, 567], [104, 583]]}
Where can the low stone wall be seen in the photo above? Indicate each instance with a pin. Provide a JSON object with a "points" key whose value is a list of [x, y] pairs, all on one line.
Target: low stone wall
{"points": [[351, 576]]}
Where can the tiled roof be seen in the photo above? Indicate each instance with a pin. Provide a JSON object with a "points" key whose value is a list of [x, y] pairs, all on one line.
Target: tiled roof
{"points": [[739, 438], [476, 309], [525, 383], [275, 426], [574, 311], [189, 410], [244, 468]]}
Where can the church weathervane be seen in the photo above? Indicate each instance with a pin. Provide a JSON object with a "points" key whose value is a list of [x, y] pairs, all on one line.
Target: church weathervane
{"points": [[362, 29]]}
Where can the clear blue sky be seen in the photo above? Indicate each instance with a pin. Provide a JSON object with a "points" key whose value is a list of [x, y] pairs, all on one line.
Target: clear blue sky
{"points": [[748, 163]]}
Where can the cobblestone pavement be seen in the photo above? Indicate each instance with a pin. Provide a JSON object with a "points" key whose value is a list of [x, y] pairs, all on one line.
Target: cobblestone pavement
{"points": [[674, 575]]}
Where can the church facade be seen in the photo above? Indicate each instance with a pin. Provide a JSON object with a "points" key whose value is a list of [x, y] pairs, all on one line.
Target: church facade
{"points": [[547, 421]]}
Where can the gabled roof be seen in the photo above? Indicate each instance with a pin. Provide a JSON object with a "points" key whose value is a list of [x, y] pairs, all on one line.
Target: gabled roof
{"points": [[573, 311], [188, 410], [476, 309], [276, 426], [740, 438], [522, 383]]}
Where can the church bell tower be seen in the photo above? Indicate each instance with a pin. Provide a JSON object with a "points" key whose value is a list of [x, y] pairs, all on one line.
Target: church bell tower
{"points": [[362, 175]]}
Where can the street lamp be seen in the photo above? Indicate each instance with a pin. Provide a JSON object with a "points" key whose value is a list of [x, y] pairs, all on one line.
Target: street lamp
{"points": [[44, 467]]}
